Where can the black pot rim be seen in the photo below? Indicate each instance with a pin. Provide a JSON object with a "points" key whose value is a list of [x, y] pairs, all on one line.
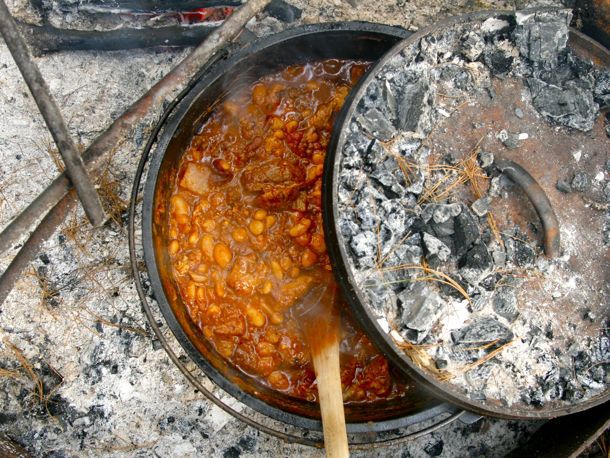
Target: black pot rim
{"points": [[155, 163], [338, 255]]}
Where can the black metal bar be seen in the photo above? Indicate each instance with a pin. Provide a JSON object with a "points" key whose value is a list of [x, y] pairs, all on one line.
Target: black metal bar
{"points": [[149, 102], [31, 247], [540, 201], [47, 39], [53, 118]]}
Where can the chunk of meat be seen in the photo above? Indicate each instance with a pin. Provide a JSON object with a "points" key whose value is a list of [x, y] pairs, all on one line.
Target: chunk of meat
{"points": [[195, 178], [258, 177], [242, 278], [291, 292]]}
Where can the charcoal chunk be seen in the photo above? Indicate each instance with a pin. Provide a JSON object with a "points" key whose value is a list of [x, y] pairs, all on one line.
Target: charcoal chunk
{"points": [[472, 46], [518, 251], [505, 303], [480, 207], [477, 257], [466, 232], [435, 247], [542, 36], [601, 90], [563, 185], [421, 308], [443, 212], [411, 105], [364, 244], [283, 11], [508, 139], [486, 159], [569, 105], [580, 182], [375, 123], [498, 60], [482, 330]]}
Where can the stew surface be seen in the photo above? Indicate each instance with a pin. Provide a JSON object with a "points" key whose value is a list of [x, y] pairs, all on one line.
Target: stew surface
{"points": [[246, 237]]}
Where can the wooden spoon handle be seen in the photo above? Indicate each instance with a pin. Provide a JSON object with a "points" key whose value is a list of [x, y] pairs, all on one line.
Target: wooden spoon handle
{"points": [[328, 376]]}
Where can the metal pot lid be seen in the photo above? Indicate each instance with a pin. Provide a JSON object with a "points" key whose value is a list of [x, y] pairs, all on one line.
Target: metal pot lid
{"points": [[467, 190]]}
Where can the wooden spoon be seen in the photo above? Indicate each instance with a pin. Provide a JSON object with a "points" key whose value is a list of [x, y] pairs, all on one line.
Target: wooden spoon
{"points": [[319, 320]]}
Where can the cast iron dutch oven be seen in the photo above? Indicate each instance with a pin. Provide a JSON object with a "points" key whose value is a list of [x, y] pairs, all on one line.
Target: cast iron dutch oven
{"points": [[356, 41]]}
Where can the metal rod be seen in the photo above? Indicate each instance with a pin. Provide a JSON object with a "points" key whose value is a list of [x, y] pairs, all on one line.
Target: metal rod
{"points": [[53, 118], [148, 103], [539, 200], [45, 39], [55, 194], [31, 247]]}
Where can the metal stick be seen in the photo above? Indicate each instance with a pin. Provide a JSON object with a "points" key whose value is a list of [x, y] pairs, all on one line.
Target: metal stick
{"points": [[53, 118], [148, 103], [54, 197]]}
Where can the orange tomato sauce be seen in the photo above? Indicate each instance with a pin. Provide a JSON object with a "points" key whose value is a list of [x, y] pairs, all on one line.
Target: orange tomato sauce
{"points": [[246, 235]]}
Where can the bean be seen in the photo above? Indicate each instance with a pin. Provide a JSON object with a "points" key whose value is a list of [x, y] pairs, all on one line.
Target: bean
{"points": [[197, 277], [304, 239], [274, 317], [179, 206], [265, 348], [206, 244], [173, 247], [278, 380], [219, 288], [208, 225], [260, 214], [255, 317], [221, 165], [222, 255], [266, 365], [183, 219], [276, 123], [259, 92], [317, 243], [291, 126], [300, 227], [318, 157], [272, 336], [267, 286], [213, 311], [286, 263], [193, 238], [240, 234], [256, 227], [200, 294], [270, 221], [309, 258], [294, 272], [191, 291], [277, 270]]}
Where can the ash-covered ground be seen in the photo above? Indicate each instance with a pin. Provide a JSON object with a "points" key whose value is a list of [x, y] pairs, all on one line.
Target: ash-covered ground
{"points": [[447, 278], [80, 374]]}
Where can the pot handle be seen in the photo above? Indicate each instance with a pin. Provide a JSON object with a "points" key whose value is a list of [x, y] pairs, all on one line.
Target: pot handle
{"points": [[539, 200]]}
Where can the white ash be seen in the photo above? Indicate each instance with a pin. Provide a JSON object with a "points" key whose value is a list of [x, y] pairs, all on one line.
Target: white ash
{"points": [[120, 395], [389, 230]]}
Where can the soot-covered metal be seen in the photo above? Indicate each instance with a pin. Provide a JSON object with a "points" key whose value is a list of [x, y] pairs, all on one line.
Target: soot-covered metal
{"points": [[444, 249]]}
